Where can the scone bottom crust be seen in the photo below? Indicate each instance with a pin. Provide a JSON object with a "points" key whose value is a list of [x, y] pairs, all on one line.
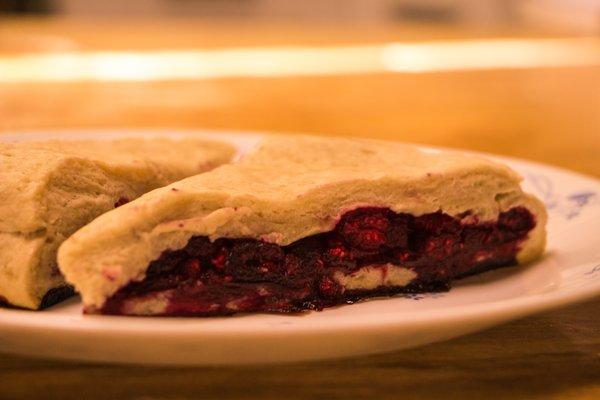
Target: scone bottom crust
{"points": [[52, 297], [57, 294], [371, 252]]}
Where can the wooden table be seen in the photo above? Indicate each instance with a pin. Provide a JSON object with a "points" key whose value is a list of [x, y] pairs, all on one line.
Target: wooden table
{"points": [[546, 114]]}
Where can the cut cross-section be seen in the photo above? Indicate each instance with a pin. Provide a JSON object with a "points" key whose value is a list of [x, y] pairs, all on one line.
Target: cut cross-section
{"points": [[370, 252]]}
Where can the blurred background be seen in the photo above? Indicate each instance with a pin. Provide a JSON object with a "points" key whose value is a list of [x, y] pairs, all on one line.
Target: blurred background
{"points": [[516, 77]]}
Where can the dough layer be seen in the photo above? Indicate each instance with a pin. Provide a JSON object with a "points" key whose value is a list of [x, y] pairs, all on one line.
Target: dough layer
{"points": [[51, 189], [286, 189]]}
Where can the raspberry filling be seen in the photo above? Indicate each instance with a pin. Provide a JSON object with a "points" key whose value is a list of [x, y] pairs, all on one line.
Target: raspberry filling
{"points": [[371, 252], [121, 201]]}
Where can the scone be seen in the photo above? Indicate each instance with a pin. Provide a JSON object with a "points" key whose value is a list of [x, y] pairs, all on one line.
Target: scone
{"points": [[48, 190], [305, 223]]}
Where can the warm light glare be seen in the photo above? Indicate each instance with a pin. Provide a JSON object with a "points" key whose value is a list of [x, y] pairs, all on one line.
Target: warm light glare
{"points": [[491, 54], [422, 57]]}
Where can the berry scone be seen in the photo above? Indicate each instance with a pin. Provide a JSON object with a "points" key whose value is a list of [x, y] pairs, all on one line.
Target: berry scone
{"points": [[48, 190], [305, 223]]}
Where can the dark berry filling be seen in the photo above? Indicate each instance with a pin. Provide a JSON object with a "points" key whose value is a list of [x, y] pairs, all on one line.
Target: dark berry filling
{"points": [[121, 201], [248, 275]]}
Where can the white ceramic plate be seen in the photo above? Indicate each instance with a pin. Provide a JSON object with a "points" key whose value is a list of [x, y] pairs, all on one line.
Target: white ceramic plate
{"points": [[570, 272]]}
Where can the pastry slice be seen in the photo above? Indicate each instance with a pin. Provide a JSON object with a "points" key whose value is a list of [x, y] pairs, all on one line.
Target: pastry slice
{"points": [[48, 190], [305, 223]]}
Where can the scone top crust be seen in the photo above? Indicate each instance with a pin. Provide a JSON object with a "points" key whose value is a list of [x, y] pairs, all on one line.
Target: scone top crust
{"points": [[27, 169], [286, 189], [51, 189]]}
